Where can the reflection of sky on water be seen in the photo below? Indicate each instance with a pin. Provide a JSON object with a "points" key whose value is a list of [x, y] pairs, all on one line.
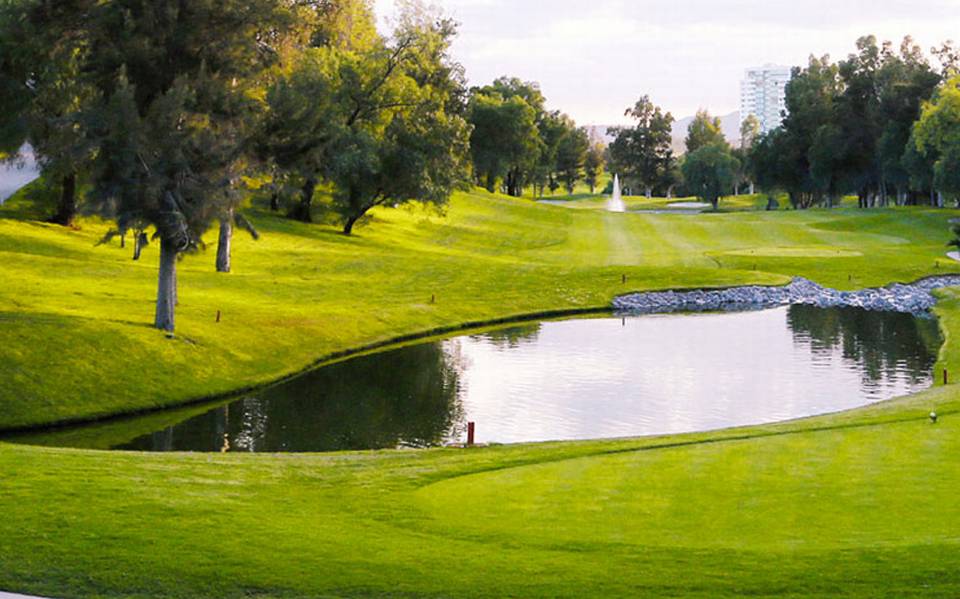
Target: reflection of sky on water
{"points": [[577, 379], [13, 176], [666, 374]]}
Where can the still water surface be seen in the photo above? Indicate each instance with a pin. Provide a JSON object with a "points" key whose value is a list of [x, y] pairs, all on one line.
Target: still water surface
{"points": [[574, 379]]}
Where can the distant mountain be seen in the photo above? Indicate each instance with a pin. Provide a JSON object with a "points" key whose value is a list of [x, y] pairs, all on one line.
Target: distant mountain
{"points": [[729, 124], [599, 133]]}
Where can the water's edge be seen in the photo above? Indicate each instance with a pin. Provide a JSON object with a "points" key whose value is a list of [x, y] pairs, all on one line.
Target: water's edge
{"points": [[737, 298]]}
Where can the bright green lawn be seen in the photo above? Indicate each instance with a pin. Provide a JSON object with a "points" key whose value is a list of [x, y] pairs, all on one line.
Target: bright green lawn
{"points": [[857, 504]]}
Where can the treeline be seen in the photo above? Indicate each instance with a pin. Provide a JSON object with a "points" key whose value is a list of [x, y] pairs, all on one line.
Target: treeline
{"points": [[517, 143], [883, 125]]}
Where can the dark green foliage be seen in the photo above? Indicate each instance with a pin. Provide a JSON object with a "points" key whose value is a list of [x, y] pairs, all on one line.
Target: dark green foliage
{"points": [[641, 154], [711, 172], [572, 152], [936, 139], [507, 139], [703, 131], [848, 129], [593, 166]]}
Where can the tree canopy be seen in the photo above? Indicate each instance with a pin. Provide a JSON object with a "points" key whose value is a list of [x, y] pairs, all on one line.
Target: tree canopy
{"points": [[642, 154], [703, 131], [848, 126], [711, 172], [936, 136]]}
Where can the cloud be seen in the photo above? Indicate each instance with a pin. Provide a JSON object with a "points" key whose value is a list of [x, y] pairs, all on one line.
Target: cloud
{"points": [[595, 58]]}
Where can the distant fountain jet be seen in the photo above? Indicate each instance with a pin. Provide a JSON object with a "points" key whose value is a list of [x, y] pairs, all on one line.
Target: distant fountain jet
{"points": [[615, 204]]}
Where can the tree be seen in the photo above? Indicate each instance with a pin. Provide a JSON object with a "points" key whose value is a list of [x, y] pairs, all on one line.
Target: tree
{"points": [[508, 121], [937, 136], [857, 123], [703, 131], [572, 156], [906, 80], [593, 165], [305, 112], [642, 154], [174, 81], [307, 104], [749, 131], [710, 172], [797, 157], [553, 128], [408, 141]]}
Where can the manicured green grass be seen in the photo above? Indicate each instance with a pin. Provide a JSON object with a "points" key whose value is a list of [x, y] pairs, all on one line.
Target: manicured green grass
{"points": [[855, 504]]}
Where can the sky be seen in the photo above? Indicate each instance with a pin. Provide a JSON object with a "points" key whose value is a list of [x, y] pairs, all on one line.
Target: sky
{"points": [[594, 58]]}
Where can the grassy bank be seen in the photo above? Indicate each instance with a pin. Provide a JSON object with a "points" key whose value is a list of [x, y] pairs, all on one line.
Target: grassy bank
{"points": [[855, 504]]}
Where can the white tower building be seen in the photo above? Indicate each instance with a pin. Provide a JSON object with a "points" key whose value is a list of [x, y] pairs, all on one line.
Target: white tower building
{"points": [[763, 94]]}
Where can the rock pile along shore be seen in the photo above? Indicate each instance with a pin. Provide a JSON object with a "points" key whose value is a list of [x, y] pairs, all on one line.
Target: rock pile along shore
{"points": [[913, 298]]}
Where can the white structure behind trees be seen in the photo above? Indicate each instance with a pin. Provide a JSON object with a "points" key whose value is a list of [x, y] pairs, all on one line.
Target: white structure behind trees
{"points": [[763, 94]]}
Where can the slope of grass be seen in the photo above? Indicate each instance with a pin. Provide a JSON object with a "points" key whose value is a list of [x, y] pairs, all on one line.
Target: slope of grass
{"points": [[854, 504]]}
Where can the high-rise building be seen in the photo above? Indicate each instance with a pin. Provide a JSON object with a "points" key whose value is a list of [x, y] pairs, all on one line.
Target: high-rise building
{"points": [[763, 94]]}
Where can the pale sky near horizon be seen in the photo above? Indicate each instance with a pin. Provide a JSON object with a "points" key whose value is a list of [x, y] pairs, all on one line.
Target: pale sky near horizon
{"points": [[594, 58]]}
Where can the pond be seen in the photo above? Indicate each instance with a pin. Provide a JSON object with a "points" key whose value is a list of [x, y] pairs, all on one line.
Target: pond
{"points": [[560, 380]]}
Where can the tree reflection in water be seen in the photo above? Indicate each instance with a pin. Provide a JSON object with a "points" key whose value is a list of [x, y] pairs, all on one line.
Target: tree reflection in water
{"points": [[885, 344], [404, 397]]}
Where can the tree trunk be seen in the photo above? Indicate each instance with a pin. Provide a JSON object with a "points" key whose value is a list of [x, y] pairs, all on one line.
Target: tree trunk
{"points": [[223, 243], [139, 240], [166, 287], [302, 210], [67, 208], [752, 189], [348, 226]]}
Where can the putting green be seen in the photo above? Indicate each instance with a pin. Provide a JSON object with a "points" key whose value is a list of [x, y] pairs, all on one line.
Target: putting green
{"points": [[764, 494]]}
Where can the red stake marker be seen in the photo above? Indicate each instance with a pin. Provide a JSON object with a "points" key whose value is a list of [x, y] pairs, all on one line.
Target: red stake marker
{"points": [[471, 430]]}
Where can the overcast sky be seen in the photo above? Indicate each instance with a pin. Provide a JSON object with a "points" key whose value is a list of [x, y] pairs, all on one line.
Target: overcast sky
{"points": [[593, 58]]}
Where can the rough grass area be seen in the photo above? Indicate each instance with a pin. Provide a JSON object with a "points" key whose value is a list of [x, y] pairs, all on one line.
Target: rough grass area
{"points": [[860, 504]]}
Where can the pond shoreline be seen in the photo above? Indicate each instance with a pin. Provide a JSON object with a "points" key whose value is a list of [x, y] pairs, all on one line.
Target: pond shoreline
{"points": [[736, 298]]}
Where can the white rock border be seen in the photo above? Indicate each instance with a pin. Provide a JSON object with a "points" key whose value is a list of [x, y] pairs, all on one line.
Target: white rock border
{"points": [[913, 298]]}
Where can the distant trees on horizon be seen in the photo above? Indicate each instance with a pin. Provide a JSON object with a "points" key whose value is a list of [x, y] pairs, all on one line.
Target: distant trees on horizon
{"points": [[857, 127]]}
